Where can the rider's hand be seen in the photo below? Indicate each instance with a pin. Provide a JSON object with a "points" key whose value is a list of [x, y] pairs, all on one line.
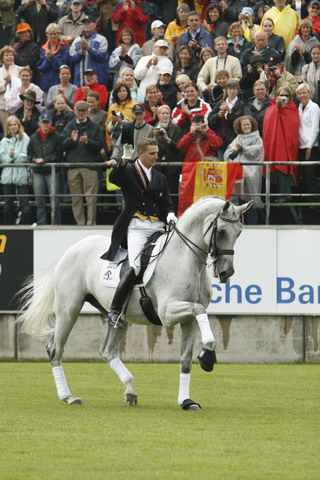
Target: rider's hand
{"points": [[171, 218]]}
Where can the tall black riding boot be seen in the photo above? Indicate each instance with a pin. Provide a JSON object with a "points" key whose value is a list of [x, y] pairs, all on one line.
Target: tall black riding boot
{"points": [[124, 288]]}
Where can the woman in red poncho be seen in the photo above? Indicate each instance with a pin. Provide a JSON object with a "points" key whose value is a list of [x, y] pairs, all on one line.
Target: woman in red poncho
{"points": [[281, 141]]}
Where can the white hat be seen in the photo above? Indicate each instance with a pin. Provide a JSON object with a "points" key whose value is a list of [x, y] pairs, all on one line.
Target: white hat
{"points": [[166, 70], [157, 24], [161, 43]]}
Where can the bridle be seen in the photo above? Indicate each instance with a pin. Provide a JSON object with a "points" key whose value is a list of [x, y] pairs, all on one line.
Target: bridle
{"points": [[214, 251]]}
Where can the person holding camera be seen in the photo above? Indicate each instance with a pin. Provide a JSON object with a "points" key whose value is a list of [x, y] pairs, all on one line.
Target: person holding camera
{"points": [[281, 141], [199, 144], [275, 76], [251, 74], [224, 113], [167, 135]]}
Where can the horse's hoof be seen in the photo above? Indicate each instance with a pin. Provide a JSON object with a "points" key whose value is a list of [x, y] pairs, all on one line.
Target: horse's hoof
{"points": [[71, 400], [189, 404], [131, 399], [207, 359]]}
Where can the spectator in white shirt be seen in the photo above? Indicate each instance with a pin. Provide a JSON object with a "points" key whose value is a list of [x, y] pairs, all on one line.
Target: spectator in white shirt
{"points": [[309, 113], [149, 67]]}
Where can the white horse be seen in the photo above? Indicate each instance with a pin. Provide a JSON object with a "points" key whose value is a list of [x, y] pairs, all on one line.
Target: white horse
{"points": [[179, 288]]}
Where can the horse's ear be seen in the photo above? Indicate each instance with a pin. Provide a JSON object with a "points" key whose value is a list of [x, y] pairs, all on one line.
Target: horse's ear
{"points": [[225, 206], [243, 208]]}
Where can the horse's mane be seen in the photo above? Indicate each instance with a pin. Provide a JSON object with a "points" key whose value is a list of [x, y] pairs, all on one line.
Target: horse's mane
{"points": [[209, 199]]}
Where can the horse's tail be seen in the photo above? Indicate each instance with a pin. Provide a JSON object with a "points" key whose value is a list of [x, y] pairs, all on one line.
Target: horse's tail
{"points": [[37, 302]]}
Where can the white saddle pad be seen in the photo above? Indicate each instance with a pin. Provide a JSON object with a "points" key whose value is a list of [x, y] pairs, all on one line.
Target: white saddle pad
{"points": [[110, 271]]}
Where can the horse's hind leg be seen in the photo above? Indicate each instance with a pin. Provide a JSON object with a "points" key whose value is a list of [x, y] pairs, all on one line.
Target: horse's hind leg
{"points": [[65, 319], [188, 332], [109, 352]]}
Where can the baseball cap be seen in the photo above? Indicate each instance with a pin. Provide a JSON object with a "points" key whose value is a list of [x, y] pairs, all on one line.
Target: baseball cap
{"points": [[90, 71], [23, 27], [161, 43], [157, 24], [274, 60], [247, 11], [75, 1], [257, 58], [89, 19], [45, 117], [138, 108], [81, 105], [313, 2], [166, 70]]}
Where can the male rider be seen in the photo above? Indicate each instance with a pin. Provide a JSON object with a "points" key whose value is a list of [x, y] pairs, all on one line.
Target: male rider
{"points": [[147, 206]]}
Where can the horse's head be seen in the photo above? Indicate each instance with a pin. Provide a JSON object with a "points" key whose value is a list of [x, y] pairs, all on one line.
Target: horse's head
{"points": [[220, 233]]}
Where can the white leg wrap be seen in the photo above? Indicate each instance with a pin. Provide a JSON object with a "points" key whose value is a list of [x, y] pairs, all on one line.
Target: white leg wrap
{"points": [[205, 329], [122, 371], [61, 382], [184, 387]]}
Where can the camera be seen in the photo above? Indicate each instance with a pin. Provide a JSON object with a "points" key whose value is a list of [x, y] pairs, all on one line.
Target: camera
{"points": [[161, 132], [113, 112], [283, 98], [272, 69], [199, 128]]}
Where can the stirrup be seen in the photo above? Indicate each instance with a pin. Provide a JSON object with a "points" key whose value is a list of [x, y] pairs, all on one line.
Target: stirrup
{"points": [[115, 320]]}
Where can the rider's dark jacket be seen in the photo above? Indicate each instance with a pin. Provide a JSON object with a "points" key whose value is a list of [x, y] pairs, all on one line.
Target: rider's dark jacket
{"points": [[154, 200]]}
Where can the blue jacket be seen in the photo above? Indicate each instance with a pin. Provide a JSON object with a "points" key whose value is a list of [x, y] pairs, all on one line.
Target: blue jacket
{"points": [[95, 57], [49, 69], [203, 37]]}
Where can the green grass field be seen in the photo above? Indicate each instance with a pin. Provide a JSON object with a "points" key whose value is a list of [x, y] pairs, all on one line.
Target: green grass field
{"points": [[257, 422]]}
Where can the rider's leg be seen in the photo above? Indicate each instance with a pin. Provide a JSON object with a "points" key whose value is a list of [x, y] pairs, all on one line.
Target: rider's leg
{"points": [[139, 232], [123, 290]]}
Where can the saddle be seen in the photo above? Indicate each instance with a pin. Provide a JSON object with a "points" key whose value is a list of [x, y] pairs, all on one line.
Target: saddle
{"points": [[146, 258]]}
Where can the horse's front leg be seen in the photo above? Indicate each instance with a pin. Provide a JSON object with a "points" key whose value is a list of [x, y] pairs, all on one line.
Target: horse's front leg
{"points": [[109, 352], [188, 333], [174, 312]]}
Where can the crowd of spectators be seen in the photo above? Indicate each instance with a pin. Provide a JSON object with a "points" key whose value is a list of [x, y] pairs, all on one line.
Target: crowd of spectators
{"points": [[234, 80]]}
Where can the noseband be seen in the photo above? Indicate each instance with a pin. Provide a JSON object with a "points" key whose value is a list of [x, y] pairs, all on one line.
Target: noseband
{"points": [[213, 250]]}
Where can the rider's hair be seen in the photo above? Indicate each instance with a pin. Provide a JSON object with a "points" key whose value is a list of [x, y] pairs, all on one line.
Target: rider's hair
{"points": [[144, 143]]}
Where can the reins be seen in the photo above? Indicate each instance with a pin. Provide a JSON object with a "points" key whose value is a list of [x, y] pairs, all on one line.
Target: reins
{"points": [[213, 250]]}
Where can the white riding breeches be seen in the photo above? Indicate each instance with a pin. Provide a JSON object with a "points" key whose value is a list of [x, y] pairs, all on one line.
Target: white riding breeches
{"points": [[139, 231]]}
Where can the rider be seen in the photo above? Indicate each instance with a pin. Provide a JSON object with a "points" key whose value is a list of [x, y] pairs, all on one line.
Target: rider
{"points": [[147, 206]]}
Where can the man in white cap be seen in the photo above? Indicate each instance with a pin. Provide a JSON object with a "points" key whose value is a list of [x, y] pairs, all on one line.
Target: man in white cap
{"points": [[158, 30], [149, 67]]}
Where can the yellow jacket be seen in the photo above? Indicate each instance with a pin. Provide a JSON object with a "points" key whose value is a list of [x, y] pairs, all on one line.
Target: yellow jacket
{"points": [[174, 29], [285, 21], [125, 109]]}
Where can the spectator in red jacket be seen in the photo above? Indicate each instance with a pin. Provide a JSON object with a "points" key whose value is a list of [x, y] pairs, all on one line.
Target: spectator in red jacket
{"points": [[91, 83], [129, 13], [198, 144]]}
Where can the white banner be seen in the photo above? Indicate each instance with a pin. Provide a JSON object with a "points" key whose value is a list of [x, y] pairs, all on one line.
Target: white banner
{"points": [[276, 270]]}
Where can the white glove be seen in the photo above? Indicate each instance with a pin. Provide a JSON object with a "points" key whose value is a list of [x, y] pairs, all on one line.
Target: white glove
{"points": [[171, 218], [127, 151]]}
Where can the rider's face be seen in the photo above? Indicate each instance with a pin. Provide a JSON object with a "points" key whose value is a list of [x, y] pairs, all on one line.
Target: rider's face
{"points": [[149, 157]]}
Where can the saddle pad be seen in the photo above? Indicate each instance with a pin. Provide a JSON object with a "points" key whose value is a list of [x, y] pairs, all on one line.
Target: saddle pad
{"points": [[110, 270]]}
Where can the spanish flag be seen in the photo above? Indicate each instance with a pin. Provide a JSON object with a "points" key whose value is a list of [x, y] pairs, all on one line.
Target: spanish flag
{"points": [[206, 178]]}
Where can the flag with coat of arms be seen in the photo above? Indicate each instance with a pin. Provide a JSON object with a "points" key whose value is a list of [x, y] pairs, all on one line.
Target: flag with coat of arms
{"points": [[207, 178]]}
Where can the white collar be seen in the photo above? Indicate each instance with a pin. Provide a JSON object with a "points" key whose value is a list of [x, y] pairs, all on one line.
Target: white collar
{"points": [[147, 171]]}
